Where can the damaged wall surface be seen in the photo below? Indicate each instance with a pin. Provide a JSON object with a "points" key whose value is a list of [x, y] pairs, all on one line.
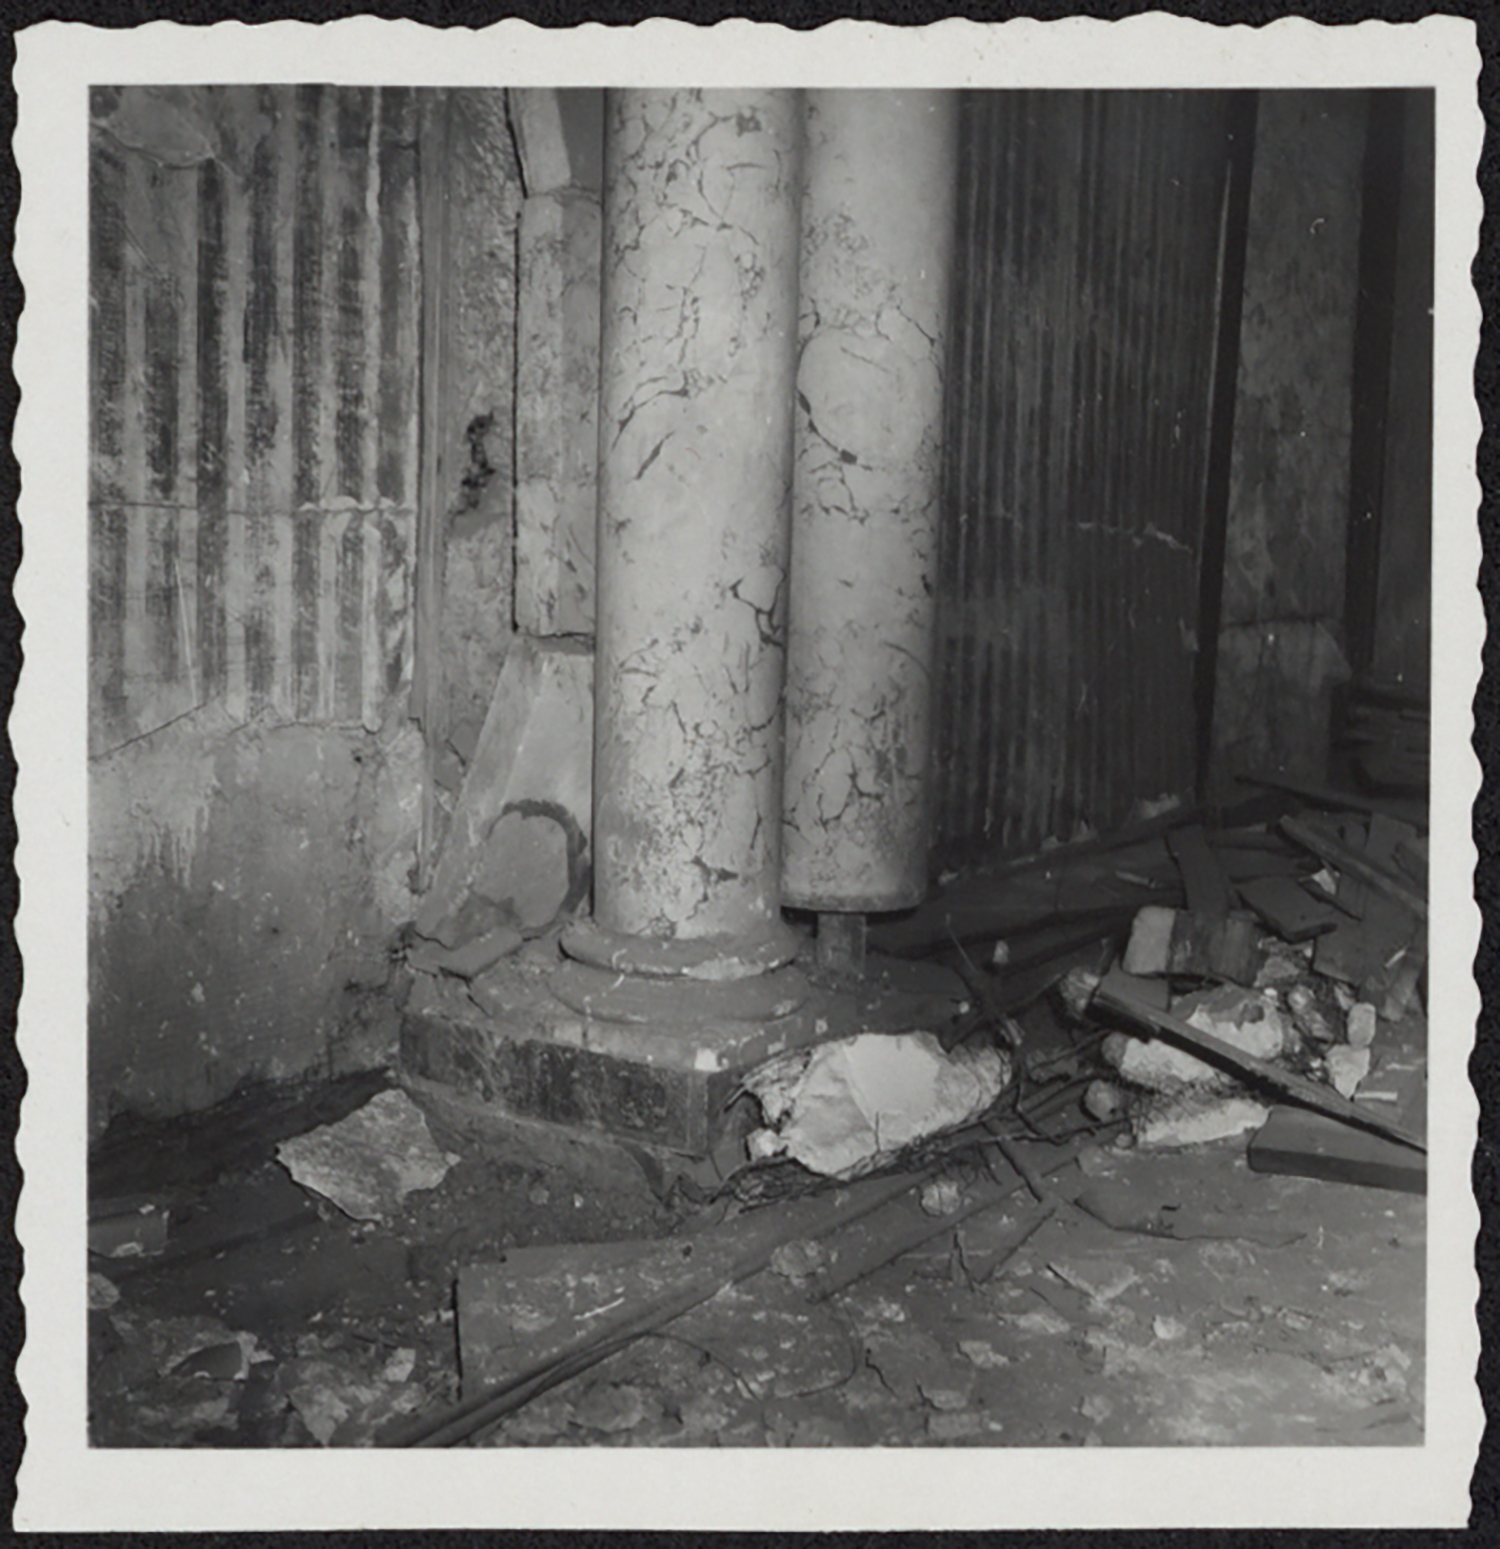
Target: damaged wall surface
{"points": [[471, 206], [253, 356], [1281, 640]]}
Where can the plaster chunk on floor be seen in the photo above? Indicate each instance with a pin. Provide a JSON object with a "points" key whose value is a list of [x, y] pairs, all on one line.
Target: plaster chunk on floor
{"points": [[843, 1107], [1195, 1119], [1248, 1019], [1347, 1067], [369, 1162]]}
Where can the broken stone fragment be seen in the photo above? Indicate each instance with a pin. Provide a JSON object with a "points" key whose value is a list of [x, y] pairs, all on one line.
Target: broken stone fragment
{"points": [[368, 1163], [1347, 1067], [1248, 1019], [982, 1354], [1308, 1017], [1362, 1024], [340, 1403], [612, 1409], [799, 1260], [103, 1292], [227, 1362], [942, 1197], [841, 1107], [127, 1228], [1195, 1119], [1100, 1281], [1103, 1100]]}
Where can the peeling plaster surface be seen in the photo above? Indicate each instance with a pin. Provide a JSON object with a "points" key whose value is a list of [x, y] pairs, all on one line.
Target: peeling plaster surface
{"points": [[246, 883], [478, 458], [699, 302], [876, 255]]}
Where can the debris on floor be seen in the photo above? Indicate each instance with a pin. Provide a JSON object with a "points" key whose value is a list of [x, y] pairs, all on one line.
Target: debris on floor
{"points": [[369, 1162], [127, 1228], [1175, 1208]]}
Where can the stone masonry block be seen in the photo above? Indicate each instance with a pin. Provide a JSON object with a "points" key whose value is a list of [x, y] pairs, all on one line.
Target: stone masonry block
{"points": [[557, 395], [518, 842]]}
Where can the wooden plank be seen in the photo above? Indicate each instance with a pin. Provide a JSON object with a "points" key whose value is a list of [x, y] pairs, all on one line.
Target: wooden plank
{"points": [[1245, 865], [1283, 905], [1207, 889], [1385, 837], [1347, 860], [1409, 811], [1366, 952], [1300, 1144]]}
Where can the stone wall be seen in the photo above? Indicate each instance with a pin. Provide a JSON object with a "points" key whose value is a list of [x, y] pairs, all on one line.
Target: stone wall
{"points": [[1281, 636], [246, 883]]}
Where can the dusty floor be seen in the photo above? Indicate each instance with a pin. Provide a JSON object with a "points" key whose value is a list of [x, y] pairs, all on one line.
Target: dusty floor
{"points": [[1279, 1311]]}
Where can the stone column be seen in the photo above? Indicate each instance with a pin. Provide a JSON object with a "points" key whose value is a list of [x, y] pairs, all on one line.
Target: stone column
{"points": [[877, 246], [697, 366]]}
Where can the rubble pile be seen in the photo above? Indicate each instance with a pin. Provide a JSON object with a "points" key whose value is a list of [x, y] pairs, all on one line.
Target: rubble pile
{"points": [[973, 1233]]}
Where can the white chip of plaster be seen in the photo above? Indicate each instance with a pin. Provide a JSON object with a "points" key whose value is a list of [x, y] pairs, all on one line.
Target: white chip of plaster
{"points": [[843, 1107], [1192, 1119]]}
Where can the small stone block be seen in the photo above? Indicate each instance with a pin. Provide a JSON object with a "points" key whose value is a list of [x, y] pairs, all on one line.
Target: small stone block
{"points": [[1361, 1025], [1150, 943]]}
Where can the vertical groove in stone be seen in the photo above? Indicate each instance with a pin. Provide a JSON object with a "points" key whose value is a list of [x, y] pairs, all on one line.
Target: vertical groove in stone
{"points": [[107, 396], [213, 431], [261, 326], [307, 349]]}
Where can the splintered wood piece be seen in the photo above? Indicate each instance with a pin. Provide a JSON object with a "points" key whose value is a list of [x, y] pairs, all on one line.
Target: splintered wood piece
{"points": [[1344, 859], [1287, 909], [1386, 835], [1300, 1144], [1406, 808], [1207, 889], [1116, 990]]}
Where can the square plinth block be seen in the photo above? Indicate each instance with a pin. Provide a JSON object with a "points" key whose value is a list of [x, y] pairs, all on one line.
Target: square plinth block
{"points": [[664, 1074]]}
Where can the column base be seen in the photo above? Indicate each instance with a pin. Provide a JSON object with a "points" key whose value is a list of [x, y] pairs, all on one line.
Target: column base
{"points": [[714, 959], [537, 1040]]}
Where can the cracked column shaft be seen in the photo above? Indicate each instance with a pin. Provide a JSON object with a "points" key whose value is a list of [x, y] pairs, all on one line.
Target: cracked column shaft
{"points": [[877, 246], [695, 449]]}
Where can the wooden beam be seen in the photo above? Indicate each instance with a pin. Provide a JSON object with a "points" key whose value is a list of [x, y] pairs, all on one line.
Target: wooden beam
{"points": [[1357, 866]]}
